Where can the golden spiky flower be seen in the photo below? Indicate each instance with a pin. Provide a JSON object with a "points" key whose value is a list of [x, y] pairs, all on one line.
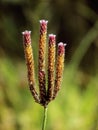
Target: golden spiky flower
{"points": [[30, 63], [59, 68], [51, 66], [41, 60], [47, 92]]}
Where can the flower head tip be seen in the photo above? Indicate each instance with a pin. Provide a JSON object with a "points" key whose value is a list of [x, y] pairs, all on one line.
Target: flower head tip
{"points": [[52, 38], [61, 48], [26, 37]]}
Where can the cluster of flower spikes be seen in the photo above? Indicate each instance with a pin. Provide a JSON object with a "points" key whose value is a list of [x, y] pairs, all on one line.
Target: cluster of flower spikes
{"points": [[47, 91]]}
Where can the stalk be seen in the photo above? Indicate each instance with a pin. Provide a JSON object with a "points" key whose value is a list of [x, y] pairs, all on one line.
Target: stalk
{"points": [[44, 118]]}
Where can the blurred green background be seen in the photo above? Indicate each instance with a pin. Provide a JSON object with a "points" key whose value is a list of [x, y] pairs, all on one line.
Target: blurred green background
{"points": [[74, 22]]}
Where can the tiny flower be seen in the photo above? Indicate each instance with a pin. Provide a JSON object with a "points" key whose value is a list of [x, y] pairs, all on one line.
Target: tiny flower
{"points": [[26, 37], [52, 38], [61, 48], [43, 25]]}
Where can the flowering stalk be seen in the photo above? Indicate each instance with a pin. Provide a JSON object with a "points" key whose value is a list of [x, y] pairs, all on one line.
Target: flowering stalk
{"points": [[54, 82], [59, 68], [51, 66], [42, 50], [30, 63]]}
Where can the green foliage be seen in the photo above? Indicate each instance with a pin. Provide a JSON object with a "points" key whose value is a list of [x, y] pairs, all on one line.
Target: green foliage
{"points": [[73, 108]]}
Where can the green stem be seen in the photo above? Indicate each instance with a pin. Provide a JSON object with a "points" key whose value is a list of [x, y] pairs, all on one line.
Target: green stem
{"points": [[45, 118]]}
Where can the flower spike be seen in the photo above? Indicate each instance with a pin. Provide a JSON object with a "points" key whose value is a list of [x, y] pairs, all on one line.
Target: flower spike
{"points": [[59, 68], [41, 61], [47, 92], [51, 66], [55, 67], [30, 63]]}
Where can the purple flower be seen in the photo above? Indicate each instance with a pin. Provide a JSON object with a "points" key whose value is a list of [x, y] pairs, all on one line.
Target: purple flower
{"points": [[26, 37], [43, 26], [52, 38], [61, 48]]}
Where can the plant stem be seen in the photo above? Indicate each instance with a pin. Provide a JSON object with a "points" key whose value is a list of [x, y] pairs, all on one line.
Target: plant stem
{"points": [[44, 118]]}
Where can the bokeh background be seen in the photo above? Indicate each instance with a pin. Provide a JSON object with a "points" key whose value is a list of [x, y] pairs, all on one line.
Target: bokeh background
{"points": [[74, 22]]}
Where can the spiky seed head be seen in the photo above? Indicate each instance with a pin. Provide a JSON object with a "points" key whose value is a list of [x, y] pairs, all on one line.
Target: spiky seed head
{"points": [[42, 51], [51, 66], [59, 68]]}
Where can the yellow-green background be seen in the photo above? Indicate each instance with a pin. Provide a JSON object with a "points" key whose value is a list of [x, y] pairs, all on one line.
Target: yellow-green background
{"points": [[74, 22]]}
